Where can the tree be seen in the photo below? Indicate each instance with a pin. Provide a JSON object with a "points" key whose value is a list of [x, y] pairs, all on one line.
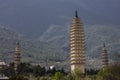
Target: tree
{"points": [[110, 73], [69, 77], [38, 70], [8, 70], [58, 76], [18, 77]]}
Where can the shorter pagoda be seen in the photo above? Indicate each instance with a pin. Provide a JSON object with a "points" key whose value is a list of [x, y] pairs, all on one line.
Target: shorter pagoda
{"points": [[104, 57], [17, 57]]}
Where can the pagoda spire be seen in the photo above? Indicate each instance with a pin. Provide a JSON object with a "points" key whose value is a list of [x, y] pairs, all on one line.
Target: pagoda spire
{"points": [[76, 14], [104, 45], [18, 43]]}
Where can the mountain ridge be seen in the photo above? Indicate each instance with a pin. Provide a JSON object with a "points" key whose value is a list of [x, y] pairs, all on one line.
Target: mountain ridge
{"points": [[32, 18]]}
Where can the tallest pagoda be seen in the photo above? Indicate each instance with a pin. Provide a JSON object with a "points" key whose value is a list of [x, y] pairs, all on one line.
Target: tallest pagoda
{"points": [[77, 45]]}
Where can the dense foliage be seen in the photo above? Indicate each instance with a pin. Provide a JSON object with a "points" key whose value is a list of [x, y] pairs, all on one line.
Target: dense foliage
{"points": [[27, 71], [110, 73]]}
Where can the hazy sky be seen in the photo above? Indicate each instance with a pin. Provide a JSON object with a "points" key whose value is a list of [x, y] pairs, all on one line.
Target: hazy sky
{"points": [[31, 16]]}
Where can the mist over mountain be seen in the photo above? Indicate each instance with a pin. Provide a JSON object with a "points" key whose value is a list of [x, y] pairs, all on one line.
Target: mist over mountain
{"points": [[33, 17]]}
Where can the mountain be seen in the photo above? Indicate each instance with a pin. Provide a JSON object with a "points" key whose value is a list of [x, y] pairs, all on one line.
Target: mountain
{"points": [[57, 35], [48, 20], [95, 36], [31, 51], [54, 44], [33, 17]]}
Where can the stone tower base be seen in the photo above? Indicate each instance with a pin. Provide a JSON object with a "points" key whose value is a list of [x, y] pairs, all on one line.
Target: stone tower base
{"points": [[80, 68]]}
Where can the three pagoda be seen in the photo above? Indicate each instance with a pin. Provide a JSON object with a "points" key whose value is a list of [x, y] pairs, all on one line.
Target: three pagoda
{"points": [[77, 45]]}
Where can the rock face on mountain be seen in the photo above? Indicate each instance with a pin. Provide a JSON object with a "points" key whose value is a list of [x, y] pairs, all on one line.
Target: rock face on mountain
{"points": [[96, 36], [31, 51]]}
